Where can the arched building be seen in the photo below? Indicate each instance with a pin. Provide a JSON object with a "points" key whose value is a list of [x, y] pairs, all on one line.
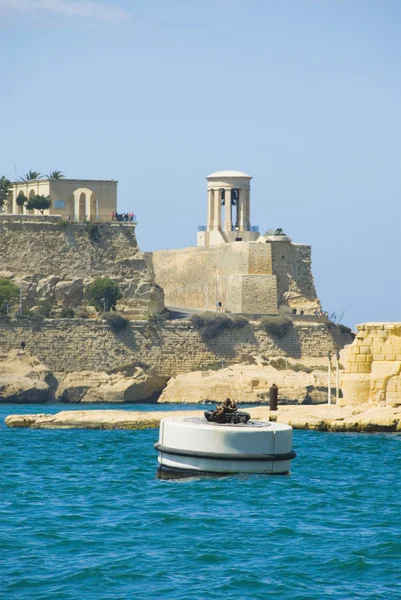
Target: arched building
{"points": [[76, 199]]}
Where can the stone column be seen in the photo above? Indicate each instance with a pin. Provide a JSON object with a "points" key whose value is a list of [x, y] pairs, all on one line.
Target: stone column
{"points": [[228, 224], [210, 210], [247, 211], [88, 207], [242, 202], [76, 207], [217, 209]]}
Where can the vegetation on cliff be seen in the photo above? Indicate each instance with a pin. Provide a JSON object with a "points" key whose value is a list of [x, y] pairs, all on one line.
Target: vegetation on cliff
{"points": [[277, 325], [116, 322], [8, 293], [103, 293], [210, 325]]}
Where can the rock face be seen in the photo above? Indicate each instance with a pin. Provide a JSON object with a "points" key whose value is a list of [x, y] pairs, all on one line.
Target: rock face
{"points": [[24, 379], [92, 386], [54, 261], [373, 369], [247, 383]]}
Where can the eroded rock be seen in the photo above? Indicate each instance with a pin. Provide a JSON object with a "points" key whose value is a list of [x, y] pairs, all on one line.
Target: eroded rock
{"points": [[24, 379], [93, 386]]}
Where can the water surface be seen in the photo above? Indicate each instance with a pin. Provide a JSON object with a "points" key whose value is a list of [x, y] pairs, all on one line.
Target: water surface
{"points": [[83, 517]]}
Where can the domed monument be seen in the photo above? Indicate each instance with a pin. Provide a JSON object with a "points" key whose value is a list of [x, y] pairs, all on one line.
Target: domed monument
{"points": [[233, 268], [231, 190]]}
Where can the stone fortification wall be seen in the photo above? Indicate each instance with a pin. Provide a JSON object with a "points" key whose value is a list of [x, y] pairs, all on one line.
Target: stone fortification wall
{"points": [[292, 266], [373, 369], [238, 274], [56, 259], [174, 347], [251, 277], [49, 246]]}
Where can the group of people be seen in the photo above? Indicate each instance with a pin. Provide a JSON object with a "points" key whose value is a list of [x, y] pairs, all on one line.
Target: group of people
{"points": [[321, 313], [115, 216]]}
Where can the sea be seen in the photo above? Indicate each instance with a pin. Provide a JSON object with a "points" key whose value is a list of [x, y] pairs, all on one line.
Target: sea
{"points": [[82, 517]]}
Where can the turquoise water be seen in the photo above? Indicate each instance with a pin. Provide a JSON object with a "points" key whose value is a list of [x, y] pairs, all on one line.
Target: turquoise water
{"points": [[83, 517]]}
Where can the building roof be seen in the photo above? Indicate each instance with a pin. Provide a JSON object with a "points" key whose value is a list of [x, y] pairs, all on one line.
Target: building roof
{"points": [[46, 179], [224, 174]]}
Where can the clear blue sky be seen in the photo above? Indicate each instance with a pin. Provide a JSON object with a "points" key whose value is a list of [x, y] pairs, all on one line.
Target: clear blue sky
{"points": [[305, 95]]}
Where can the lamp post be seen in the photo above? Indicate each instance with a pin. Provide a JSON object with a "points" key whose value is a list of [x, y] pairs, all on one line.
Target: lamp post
{"points": [[104, 304]]}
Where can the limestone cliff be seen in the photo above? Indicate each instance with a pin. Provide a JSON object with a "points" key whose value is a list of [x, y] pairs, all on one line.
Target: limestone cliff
{"points": [[55, 261]]}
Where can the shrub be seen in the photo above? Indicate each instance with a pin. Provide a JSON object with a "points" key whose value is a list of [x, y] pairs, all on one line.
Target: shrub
{"points": [[8, 292], [210, 325], [277, 326], [82, 313], [92, 230], [67, 313], [116, 322], [40, 202], [21, 199], [103, 294]]}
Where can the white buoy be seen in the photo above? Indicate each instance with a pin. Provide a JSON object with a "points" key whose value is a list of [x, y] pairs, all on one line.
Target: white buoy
{"points": [[190, 446]]}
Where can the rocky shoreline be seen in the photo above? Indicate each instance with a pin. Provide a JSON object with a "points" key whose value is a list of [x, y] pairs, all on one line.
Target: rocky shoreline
{"points": [[317, 418]]}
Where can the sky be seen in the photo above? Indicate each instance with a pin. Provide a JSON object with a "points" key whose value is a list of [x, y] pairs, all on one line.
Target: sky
{"points": [[304, 95]]}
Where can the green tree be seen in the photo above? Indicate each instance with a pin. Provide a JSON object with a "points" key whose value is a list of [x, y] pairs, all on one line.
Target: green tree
{"points": [[103, 294], [39, 202], [8, 292], [5, 187], [21, 199], [55, 175], [30, 175]]}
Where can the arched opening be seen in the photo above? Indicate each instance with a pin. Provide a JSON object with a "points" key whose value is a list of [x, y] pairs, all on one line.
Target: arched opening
{"points": [[235, 203], [81, 206], [32, 194], [20, 200], [93, 207]]}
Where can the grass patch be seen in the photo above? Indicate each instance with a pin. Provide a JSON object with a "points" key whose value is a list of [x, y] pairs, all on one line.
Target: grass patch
{"points": [[277, 326], [210, 325]]}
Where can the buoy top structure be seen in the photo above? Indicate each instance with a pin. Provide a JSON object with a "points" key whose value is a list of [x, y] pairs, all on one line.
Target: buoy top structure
{"points": [[191, 446]]}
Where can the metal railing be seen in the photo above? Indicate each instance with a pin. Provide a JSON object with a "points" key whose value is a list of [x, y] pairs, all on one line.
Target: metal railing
{"points": [[254, 228], [201, 227]]}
